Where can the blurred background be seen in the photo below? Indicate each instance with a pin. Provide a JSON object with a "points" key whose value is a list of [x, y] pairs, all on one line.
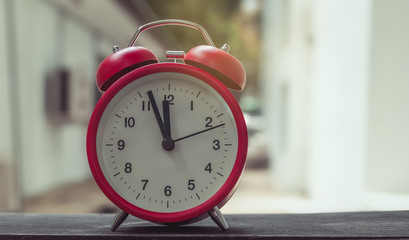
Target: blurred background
{"points": [[326, 100]]}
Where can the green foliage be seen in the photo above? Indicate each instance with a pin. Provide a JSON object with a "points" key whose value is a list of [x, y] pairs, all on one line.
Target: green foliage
{"points": [[225, 22]]}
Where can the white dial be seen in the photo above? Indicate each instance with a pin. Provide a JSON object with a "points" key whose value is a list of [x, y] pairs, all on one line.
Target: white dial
{"points": [[153, 175]]}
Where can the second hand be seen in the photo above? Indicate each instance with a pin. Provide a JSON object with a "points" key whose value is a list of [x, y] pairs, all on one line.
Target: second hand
{"points": [[196, 133]]}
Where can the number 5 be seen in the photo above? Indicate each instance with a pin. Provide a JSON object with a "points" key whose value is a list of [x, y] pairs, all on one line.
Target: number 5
{"points": [[190, 184]]}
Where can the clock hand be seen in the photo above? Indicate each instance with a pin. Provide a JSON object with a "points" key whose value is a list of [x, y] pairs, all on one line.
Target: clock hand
{"points": [[157, 115], [199, 132], [167, 143], [166, 117]]}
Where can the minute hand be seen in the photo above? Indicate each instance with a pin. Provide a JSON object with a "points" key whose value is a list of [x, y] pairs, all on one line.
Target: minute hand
{"points": [[162, 128], [196, 133]]}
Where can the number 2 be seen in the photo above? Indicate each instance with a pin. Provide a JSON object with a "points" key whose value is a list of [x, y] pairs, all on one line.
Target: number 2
{"points": [[209, 121]]}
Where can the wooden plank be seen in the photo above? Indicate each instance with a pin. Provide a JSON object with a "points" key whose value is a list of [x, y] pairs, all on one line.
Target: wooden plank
{"points": [[356, 225]]}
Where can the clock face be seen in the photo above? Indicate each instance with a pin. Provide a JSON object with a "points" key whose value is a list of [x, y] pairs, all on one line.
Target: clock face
{"points": [[141, 169]]}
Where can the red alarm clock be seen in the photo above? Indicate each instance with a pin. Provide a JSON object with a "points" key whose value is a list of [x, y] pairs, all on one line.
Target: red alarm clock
{"points": [[167, 142]]}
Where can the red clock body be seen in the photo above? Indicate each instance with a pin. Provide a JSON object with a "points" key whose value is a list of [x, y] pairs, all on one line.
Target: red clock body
{"points": [[167, 142]]}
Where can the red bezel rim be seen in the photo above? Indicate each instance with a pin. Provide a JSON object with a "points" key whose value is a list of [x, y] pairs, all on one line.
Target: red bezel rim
{"points": [[221, 196]]}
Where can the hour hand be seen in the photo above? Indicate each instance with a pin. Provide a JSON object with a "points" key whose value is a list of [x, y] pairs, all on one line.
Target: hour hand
{"points": [[166, 117], [167, 143]]}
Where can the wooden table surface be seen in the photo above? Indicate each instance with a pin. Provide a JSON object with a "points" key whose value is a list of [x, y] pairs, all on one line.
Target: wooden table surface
{"points": [[354, 225]]}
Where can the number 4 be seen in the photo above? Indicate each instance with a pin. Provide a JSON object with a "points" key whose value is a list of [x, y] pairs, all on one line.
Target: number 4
{"points": [[209, 168]]}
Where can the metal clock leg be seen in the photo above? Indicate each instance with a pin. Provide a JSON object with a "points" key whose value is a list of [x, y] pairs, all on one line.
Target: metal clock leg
{"points": [[119, 218], [218, 218]]}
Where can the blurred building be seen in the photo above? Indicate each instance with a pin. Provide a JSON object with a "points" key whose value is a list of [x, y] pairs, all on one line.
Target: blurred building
{"points": [[51, 50], [336, 94]]}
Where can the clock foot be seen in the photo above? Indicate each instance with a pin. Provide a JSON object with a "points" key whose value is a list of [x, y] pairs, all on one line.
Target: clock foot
{"points": [[218, 218], [119, 218]]}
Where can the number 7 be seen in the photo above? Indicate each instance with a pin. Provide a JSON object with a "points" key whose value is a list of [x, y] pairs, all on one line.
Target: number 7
{"points": [[145, 182]]}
